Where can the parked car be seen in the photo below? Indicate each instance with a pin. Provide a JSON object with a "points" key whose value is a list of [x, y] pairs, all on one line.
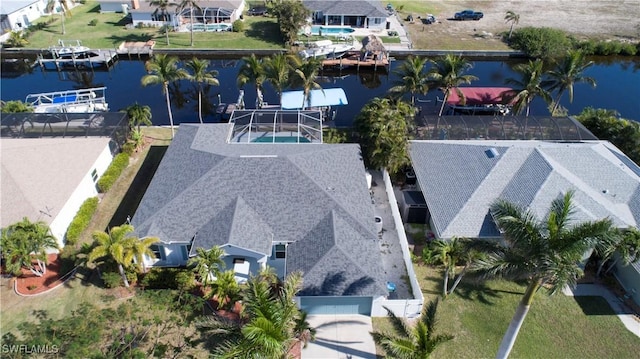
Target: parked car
{"points": [[468, 15]]}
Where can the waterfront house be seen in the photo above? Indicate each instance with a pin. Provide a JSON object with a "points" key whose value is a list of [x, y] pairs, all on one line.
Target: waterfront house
{"points": [[212, 12], [17, 15], [50, 167], [460, 179], [269, 193], [354, 13]]}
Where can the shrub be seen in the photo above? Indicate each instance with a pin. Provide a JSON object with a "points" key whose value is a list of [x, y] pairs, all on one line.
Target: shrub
{"points": [[111, 279], [169, 278], [93, 22], [540, 42], [129, 148], [237, 26], [131, 274], [32, 287], [119, 163], [68, 259], [81, 220]]}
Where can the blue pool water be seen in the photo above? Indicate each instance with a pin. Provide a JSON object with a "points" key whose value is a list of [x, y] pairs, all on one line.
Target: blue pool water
{"points": [[331, 30], [280, 139], [211, 27]]}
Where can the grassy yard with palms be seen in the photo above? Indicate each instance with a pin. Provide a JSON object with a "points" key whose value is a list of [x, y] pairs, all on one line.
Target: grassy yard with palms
{"points": [[478, 314], [85, 287], [110, 31]]}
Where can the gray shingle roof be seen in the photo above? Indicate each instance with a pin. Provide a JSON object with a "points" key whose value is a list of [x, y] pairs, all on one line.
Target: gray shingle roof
{"points": [[312, 194], [347, 7], [460, 181]]}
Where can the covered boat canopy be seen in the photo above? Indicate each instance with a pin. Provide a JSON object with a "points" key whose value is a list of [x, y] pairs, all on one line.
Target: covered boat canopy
{"points": [[481, 96], [317, 98]]}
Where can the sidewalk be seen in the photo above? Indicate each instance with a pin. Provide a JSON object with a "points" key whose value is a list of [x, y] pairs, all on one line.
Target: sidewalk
{"points": [[628, 319]]}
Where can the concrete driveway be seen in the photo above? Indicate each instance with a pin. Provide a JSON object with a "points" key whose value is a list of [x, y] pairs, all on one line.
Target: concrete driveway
{"points": [[340, 337]]}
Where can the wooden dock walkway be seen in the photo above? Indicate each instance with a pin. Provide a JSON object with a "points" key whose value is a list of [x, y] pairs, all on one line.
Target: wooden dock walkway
{"points": [[136, 48], [353, 60], [97, 59]]}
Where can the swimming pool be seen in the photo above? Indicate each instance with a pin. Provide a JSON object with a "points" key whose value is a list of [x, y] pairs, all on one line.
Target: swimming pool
{"points": [[210, 27], [331, 30], [281, 139]]}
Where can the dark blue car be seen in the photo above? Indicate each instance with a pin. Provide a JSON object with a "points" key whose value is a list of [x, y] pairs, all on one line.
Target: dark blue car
{"points": [[468, 15]]}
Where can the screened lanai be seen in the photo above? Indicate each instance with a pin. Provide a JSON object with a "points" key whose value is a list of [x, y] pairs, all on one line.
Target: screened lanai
{"points": [[544, 128], [206, 15], [37, 125], [275, 126]]}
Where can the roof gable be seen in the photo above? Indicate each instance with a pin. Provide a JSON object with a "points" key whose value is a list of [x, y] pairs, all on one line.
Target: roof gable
{"points": [[529, 173]]}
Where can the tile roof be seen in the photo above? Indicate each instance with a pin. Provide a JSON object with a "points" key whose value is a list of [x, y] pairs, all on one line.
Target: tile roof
{"points": [[348, 7], [314, 196], [460, 181]]}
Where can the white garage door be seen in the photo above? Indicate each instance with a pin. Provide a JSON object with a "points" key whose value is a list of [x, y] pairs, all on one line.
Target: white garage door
{"points": [[336, 305]]}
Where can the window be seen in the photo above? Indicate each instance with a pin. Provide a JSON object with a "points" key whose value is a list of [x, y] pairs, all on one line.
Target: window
{"points": [[377, 21], [238, 260], [281, 251], [185, 252], [94, 175], [158, 251]]}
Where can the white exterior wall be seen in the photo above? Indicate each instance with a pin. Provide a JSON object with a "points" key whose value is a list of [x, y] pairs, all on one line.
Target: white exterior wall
{"points": [[114, 6], [85, 189], [32, 12], [372, 22], [145, 18], [172, 256]]}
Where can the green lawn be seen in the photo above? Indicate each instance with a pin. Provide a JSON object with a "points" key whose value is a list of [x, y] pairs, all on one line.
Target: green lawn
{"points": [[556, 326], [61, 301], [260, 32]]}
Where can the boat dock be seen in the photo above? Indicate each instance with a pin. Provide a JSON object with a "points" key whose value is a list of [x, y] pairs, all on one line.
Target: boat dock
{"points": [[354, 60], [98, 58]]}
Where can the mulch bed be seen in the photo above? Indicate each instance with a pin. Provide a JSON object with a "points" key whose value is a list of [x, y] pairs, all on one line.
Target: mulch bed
{"points": [[29, 283]]}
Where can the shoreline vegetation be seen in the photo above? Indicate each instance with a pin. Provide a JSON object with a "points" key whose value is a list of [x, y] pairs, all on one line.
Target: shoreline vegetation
{"points": [[489, 37]]}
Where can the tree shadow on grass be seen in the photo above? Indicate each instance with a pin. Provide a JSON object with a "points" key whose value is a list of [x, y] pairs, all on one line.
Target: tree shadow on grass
{"points": [[596, 305], [122, 22], [144, 37], [476, 288], [265, 31]]}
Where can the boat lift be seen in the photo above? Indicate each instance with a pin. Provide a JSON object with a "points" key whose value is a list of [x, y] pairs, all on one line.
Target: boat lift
{"points": [[70, 101]]}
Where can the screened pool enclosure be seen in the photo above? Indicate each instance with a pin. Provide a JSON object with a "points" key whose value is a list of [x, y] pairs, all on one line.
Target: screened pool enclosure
{"points": [[276, 126]]}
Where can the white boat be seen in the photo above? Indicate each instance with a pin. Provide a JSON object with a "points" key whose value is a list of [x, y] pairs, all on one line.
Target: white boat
{"points": [[70, 50], [325, 48], [71, 101]]}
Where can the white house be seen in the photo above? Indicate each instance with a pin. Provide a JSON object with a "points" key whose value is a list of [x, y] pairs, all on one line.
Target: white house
{"points": [[213, 11], [354, 13], [48, 179]]}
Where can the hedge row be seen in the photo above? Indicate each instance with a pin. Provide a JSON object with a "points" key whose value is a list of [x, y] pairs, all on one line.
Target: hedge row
{"points": [[81, 220], [543, 42], [119, 163]]}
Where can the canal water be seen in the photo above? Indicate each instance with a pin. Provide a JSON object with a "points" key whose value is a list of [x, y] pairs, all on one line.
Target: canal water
{"points": [[618, 87]]}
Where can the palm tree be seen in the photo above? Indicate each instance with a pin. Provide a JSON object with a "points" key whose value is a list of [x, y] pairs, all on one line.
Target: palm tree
{"points": [[382, 125], [541, 252], [201, 75], [225, 289], [207, 264], [307, 74], [529, 86], [161, 12], [116, 245], [163, 70], [16, 39], [252, 72], [141, 248], [273, 323], [450, 252], [277, 70], [412, 80], [448, 73], [626, 245], [139, 115], [191, 5], [51, 7], [567, 73], [412, 342], [26, 241], [513, 18]]}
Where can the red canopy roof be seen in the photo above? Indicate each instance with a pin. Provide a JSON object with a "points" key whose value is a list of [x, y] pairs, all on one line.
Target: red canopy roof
{"points": [[479, 96]]}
